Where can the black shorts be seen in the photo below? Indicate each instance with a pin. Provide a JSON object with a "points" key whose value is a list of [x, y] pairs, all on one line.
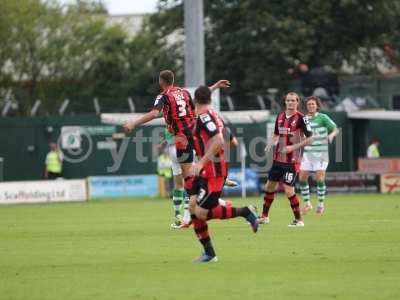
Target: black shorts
{"points": [[184, 148], [208, 191], [185, 156], [283, 172], [51, 175]]}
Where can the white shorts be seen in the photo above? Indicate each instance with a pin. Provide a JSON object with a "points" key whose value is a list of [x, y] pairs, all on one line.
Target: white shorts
{"points": [[176, 168], [313, 165]]}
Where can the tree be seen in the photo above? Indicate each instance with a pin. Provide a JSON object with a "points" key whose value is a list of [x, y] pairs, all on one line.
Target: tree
{"points": [[256, 43], [52, 52]]}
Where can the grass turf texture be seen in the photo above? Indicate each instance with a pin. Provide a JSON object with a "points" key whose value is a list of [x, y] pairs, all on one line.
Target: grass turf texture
{"points": [[124, 249]]}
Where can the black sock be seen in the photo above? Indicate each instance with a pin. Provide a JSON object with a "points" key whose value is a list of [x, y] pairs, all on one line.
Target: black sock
{"points": [[243, 211], [208, 248]]}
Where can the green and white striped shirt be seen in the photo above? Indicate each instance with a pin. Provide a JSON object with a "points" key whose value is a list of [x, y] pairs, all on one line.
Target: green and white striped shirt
{"points": [[321, 126]]}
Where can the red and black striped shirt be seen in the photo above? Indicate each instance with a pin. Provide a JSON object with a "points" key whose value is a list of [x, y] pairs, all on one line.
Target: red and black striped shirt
{"points": [[291, 130], [207, 125], [178, 109]]}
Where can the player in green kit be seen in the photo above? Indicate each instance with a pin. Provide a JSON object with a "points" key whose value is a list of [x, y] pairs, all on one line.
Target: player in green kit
{"points": [[316, 155]]}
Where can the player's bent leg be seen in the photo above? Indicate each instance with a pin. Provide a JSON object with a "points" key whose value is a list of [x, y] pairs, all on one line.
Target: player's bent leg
{"points": [[228, 212], [208, 201]]}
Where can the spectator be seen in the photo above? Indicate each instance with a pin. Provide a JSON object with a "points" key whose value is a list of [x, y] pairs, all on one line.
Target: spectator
{"points": [[373, 149], [319, 82], [54, 161], [164, 170]]}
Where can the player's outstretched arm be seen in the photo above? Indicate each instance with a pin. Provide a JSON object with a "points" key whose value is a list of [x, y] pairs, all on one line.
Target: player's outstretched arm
{"points": [[147, 117], [220, 84]]}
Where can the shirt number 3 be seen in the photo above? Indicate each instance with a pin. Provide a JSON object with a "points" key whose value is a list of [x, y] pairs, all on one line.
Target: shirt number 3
{"points": [[181, 107]]}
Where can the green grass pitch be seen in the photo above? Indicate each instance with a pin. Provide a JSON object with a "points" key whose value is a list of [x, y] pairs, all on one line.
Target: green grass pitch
{"points": [[124, 249]]}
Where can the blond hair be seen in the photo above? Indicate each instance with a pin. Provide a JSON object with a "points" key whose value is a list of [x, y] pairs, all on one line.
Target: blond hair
{"points": [[293, 94]]}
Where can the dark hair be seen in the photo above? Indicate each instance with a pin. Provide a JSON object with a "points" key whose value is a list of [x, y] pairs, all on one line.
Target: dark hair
{"points": [[202, 95], [316, 99], [167, 76], [375, 140]]}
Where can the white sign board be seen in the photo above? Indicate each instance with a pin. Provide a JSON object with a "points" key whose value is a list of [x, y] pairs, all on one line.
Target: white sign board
{"points": [[43, 191]]}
